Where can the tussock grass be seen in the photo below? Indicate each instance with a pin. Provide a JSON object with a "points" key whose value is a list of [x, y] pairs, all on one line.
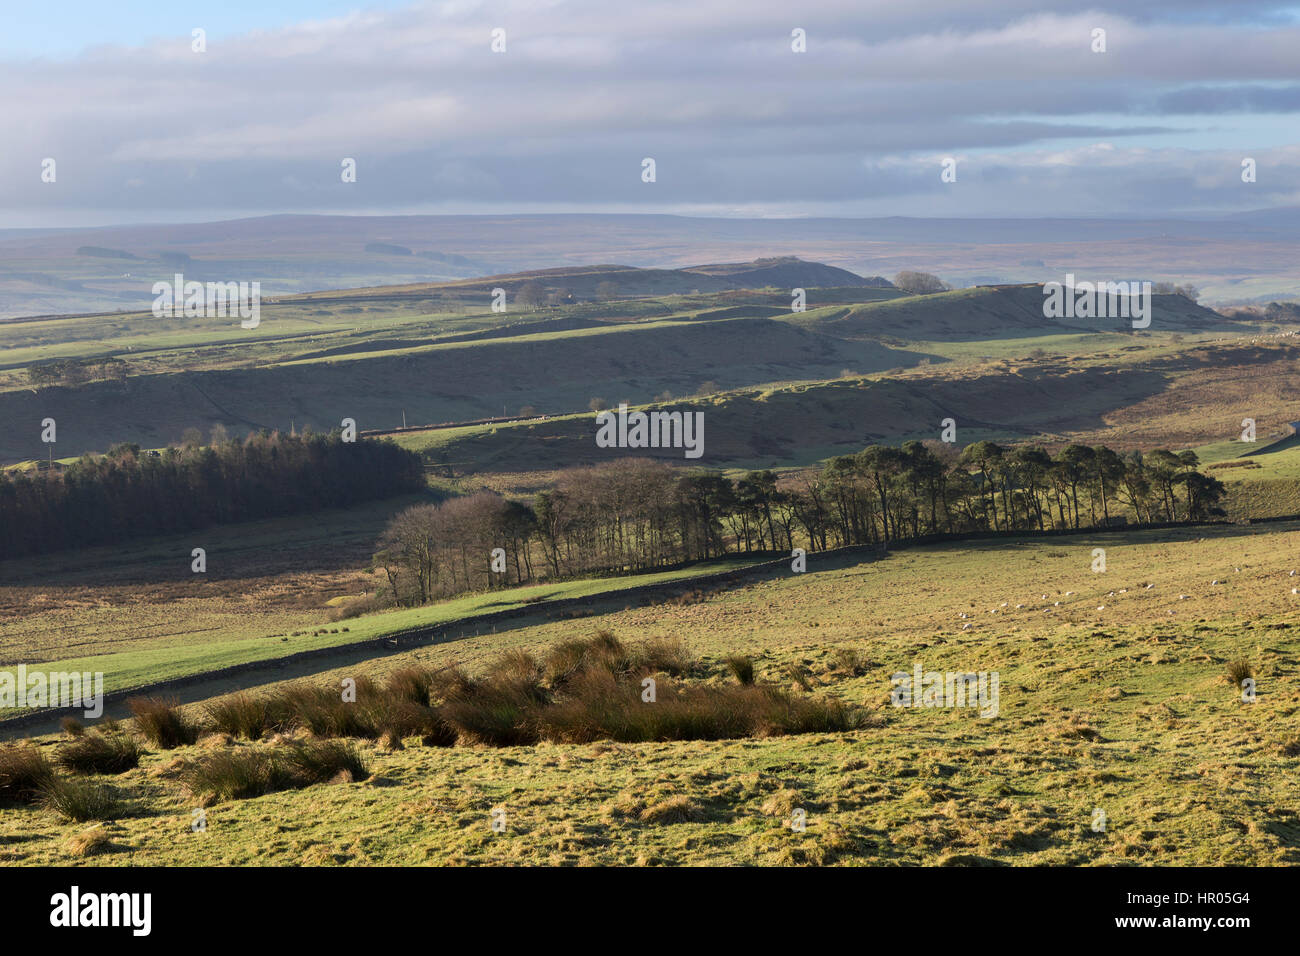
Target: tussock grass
{"points": [[89, 843], [741, 667], [1239, 671], [160, 722], [679, 809], [316, 761], [581, 690], [246, 772], [241, 715], [24, 770], [592, 691], [798, 676], [77, 799], [850, 661], [233, 775], [99, 753], [412, 684]]}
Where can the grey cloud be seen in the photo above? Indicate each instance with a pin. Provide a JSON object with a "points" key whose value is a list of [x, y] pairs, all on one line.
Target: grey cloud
{"points": [[709, 88]]}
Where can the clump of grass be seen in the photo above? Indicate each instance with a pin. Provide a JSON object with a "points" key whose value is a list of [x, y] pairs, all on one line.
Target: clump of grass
{"points": [[1076, 728], [388, 716], [582, 690], [849, 660], [325, 713], [663, 655], [609, 709], [439, 733], [679, 809], [72, 726], [241, 715], [412, 684], [317, 761], [24, 770], [245, 772], [1239, 671], [161, 723], [99, 753], [78, 800], [233, 775], [798, 675], [89, 843], [694, 596], [492, 713], [742, 667]]}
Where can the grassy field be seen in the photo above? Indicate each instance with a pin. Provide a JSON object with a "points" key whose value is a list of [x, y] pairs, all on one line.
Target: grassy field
{"points": [[1115, 699], [437, 353], [179, 636]]}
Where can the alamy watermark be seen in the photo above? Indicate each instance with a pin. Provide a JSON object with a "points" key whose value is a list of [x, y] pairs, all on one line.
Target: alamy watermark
{"points": [[683, 430], [951, 689], [1098, 300], [41, 689], [181, 299]]}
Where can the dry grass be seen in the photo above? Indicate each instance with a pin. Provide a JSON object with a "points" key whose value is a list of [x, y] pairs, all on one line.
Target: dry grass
{"points": [[89, 843], [99, 753], [160, 721]]}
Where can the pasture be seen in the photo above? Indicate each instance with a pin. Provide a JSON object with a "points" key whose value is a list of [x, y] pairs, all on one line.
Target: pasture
{"points": [[1114, 697]]}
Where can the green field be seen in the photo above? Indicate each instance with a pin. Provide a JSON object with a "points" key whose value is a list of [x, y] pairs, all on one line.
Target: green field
{"points": [[165, 659], [1114, 699]]}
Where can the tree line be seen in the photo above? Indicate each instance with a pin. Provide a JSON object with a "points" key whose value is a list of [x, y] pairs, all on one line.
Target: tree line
{"points": [[127, 494], [638, 514]]}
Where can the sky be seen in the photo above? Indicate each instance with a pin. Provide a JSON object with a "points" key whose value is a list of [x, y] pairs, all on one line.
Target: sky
{"points": [[1035, 120]]}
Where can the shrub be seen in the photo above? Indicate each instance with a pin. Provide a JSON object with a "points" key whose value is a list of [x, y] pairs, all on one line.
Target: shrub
{"points": [[24, 770], [79, 800], [161, 722], [72, 726], [99, 753]]}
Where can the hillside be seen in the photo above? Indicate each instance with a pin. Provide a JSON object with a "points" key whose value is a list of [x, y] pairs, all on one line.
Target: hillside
{"points": [[438, 353], [1098, 707]]}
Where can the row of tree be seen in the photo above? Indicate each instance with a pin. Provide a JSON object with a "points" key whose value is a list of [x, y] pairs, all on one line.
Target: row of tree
{"points": [[126, 494], [637, 514]]}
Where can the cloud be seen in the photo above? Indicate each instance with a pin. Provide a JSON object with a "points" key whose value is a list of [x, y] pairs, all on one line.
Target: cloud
{"points": [[711, 89]]}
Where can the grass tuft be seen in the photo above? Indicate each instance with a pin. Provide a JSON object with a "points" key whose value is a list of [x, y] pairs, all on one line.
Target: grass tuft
{"points": [[742, 667], [24, 770], [160, 722], [77, 800], [99, 753]]}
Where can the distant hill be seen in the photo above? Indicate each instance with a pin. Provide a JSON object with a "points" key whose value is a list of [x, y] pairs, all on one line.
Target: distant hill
{"points": [[101, 252], [1242, 258], [988, 312], [619, 281]]}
